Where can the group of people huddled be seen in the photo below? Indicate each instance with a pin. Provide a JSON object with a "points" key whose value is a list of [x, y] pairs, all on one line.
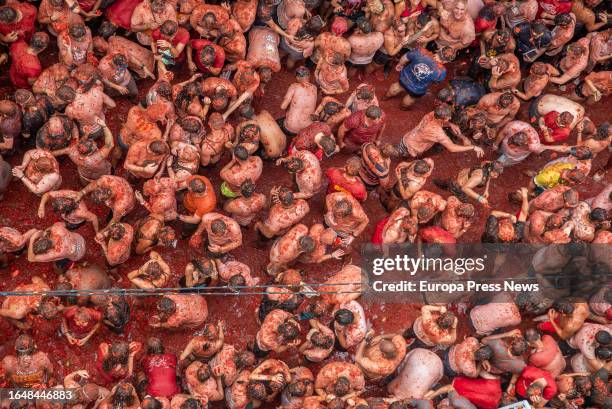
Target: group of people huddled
{"points": [[551, 353]]}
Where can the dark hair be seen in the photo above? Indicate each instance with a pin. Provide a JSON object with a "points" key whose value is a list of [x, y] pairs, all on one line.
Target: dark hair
{"points": [[421, 167], [191, 124], [106, 29], [196, 185], [328, 144], [344, 316], [564, 306], [518, 346], [344, 207], [294, 164], [285, 196], [342, 386], [364, 25], [66, 93], [321, 340], [505, 99], [602, 132], [446, 94], [289, 330], [443, 111], [307, 244], [8, 14], [166, 304], [218, 226], [169, 28], [538, 27], [191, 403], [518, 139], [241, 153], [120, 60], [302, 72], [373, 112], [483, 353], [64, 205], [256, 390], [598, 214], [39, 41], [203, 373], [77, 30], [247, 188], [563, 19], [155, 346], [446, 320], [603, 337], [42, 245], [532, 335], [158, 147]]}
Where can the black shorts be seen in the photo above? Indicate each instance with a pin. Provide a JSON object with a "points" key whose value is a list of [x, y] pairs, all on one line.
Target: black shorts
{"points": [[353, 65], [448, 370], [353, 16], [381, 58], [74, 226]]}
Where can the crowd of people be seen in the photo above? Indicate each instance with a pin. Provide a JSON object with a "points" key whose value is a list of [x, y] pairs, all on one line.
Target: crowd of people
{"points": [[192, 74]]}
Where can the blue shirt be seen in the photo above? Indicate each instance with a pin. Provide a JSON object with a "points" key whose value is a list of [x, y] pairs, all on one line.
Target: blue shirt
{"points": [[420, 72], [467, 92]]}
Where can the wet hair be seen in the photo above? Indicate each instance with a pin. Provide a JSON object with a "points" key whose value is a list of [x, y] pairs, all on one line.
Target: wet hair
{"points": [[518, 346], [563, 19], [285, 196], [66, 93], [101, 195], [241, 153], [421, 167], [158, 147], [603, 353], [538, 27], [564, 306], [169, 28], [373, 112], [532, 335], [294, 164], [256, 390], [581, 152], [570, 196], [598, 214], [331, 108], [117, 312], [87, 146], [446, 94], [244, 359], [77, 30], [24, 344], [289, 330], [149, 402], [364, 93], [120, 60], [342, 386], [64, 205], [298, 388], [538, 68], [203, 374], [446, 320], [566, 118], [196, 185], [364, 25], [344, 316], [465, 210], [321, 340], [237, 280], [443, 111], [209, 18], [39, 40], [518, 139], [246, 111], [388, 349], [505, 99], [247, 188], [218, 226], [123, 396], [191, 403], [423, 19], [207, 55], [302, 72], [166, 305], [307, 244], [483, 353], [42, 245], [602, 132], [8, 15], [153, 269], [191, 124], [155, 346], [164, 88], [328, 144], [106, 29], [343, 207], [603, 337]]}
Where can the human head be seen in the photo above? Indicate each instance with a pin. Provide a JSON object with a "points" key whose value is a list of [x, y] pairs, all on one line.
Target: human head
{"points": [[158, 147], [339, 25], [505, 100], [207, 56], [443, 112], [364, 25], [66, 94], [256, 390], [302, 74], [64, 205], [285, 196], [8, 15], [241, 153], [169, 28], [538, 68], [24, 345], [484, 353], [459, 11], [518, 139], [566, 118], [218, 226], [247, 188], [158, 6], [39, 41], [244, 359], [216, 120], [192, 403], [342, 208], [320, 340], [446, 320], [446, 95], [294, 164], [208, 20], [203, 373], [106, 29], [77, 31], [307, 244], [42, 245], [289, 330], [166, 306], [563, 19], [564, 306], [124, 395], [342, 386], [265, 74], [373, 112], [328, 144], [388, 349], [353, 166], [344, 316], [155, 346], [197, 185]]}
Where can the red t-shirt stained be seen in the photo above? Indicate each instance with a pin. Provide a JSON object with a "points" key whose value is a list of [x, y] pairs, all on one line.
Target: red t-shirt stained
{"points": [[529, 375], [24, 27], [78, 330], [120, 12], [198, 45], [558, 133], [160, 371], [553, 7], [358, 133], [181, 37], [23, 65]]}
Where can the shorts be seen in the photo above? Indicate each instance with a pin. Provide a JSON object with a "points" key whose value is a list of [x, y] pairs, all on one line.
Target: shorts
{"points": [[354, 16], [281, 123], [227, 192], [74, 226], [63, 264], [292, 52], [448, 370], [353, 65], [534, 115], [381, 58], [258, 352], [122, 144], [578, 90]]}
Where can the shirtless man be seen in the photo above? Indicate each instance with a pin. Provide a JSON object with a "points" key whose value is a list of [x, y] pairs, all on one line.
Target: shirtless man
{"points": [[364, 44], [220, 134], [538, 79], [74, 212], [229, 362], [75, 45], [332, 41], [39, 171], [319, 342], [91, 161], [307, 172], [238, 170], [500, 312], [342, 380], [350, 324], [247, 206], [278, 332], [49, 81], [574, 63], [205, 346], [436, 326], [456, 28], [180, 311], [16, 309], [562, 33], [285, 212], [224, 234], [567, 317], [399, 227], [148, 16], [116, 243], [28, 367], [300, 102], [56, 244], [331, 74], [518, 140], [379, 356], [115, 360], [154, 273], [430, 131], [457, 217], [595, 86], [116, 77], [505, 72], [112, 191], [12, 241], [201, 382], [10, 124], [161, 197], [420, 370], [150, 231], [344, 214], [499, 108], [144, 158], [139, 59], [288, 248]]}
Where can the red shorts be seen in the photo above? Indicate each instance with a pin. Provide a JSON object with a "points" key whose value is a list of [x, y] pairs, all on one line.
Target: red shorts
{"points": [[377, 237]]}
